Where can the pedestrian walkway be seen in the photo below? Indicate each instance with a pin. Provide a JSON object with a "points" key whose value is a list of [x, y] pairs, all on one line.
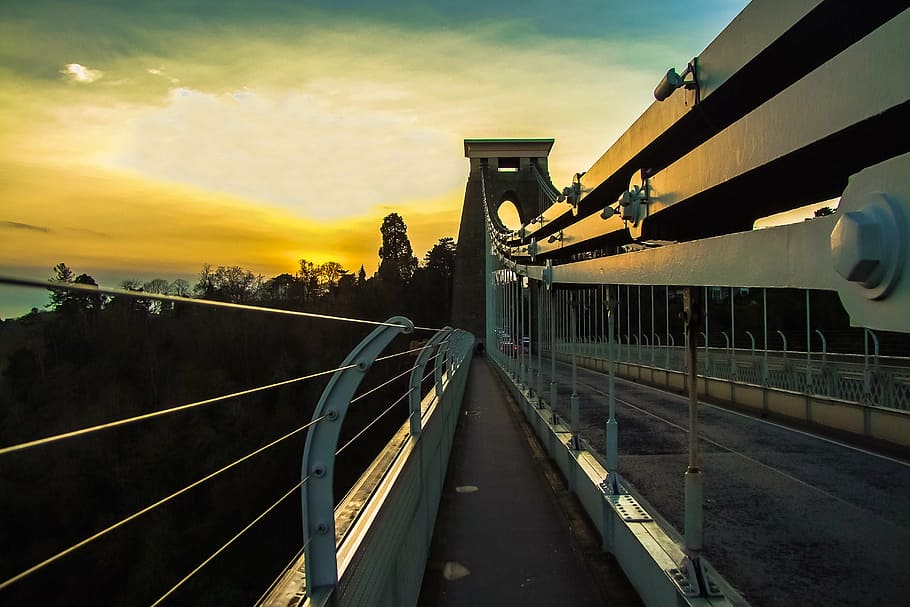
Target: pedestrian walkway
{"points": [[501, 537]]}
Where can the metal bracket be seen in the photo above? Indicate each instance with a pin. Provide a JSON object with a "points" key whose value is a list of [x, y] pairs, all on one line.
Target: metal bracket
{"points": [[634, 203], [319, 455], [572, 193], [548, 274], [693, 578], [611, 485], [423, 357]]}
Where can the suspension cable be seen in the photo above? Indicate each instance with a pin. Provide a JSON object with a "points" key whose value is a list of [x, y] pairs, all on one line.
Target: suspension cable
{"points": [[98, 290], [230, 541], [151, 507], [546, 187], [153, 414]]}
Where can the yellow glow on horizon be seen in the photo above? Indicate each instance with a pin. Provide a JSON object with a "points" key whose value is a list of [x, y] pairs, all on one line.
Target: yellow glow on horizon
{"points": [[106, 220]]}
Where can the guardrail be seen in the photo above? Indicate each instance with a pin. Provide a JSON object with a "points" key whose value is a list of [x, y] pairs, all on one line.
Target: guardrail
{"points": [[371, 549], [844, 377]]}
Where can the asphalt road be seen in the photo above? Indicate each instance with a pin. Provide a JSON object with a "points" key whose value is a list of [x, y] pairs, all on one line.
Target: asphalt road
{"points": [[790, 517]]}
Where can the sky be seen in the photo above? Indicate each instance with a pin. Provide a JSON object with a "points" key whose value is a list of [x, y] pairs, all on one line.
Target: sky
{"points": [[143, 139]]}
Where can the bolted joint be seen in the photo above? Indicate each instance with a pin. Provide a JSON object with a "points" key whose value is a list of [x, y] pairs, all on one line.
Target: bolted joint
{"points": [[856, 248], [868, 246]]}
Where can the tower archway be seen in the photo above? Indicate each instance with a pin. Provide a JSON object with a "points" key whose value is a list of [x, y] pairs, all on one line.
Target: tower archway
{"points": [[508, 167]]}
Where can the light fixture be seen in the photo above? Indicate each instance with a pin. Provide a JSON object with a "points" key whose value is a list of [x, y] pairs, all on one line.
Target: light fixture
{"points": [[672, 81], [608, 212], [555, 237]]}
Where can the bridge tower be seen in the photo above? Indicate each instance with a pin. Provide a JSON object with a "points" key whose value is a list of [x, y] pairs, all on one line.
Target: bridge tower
{"points": [[509, 168]]}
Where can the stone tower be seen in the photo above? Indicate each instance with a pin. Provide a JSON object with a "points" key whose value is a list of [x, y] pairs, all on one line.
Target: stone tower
{"points": [[509, 176]]}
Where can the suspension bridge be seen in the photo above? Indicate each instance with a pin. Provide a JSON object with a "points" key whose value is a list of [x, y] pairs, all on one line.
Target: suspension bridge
{"points": [[671, 406]]}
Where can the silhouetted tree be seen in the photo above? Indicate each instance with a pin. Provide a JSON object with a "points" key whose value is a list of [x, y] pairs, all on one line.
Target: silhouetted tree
{"points": [[282, 290], [180, 288], [62, 274], [228, 283], [397, 262], [441, 258]]}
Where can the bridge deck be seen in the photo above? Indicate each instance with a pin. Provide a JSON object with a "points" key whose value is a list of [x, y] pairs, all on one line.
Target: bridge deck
{"points": [[501, 536]]}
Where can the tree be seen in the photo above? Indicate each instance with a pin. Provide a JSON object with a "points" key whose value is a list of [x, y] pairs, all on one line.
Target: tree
{"points": [[157, 285], [361, 276], [330, 272], [205, 286], [440, 260], [397, 262], [180, 288], [308, 276], [228, 283], [282, 289], [62, 274], [69, 302]]}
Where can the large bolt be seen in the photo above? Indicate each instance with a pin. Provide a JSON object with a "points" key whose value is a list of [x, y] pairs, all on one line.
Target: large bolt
{"points": [[857, 248]]}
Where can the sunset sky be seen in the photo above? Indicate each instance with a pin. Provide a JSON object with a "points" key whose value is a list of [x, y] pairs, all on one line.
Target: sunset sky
{"points": [[143, 139]]}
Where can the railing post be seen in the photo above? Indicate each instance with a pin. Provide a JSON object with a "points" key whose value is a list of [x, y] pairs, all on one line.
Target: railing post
{"points": [[764, 373], [825, 374], [539, 382], [553, 310], [693, 484], [808, 349], [573, 413], [612, 448], [414, 398], [732, 336], [653, 353], [318, 464]]}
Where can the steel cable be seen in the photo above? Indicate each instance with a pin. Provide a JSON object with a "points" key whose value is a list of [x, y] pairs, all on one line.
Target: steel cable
{"points": [[97, 290], [145, 416], [229, 542], [151, 507]]}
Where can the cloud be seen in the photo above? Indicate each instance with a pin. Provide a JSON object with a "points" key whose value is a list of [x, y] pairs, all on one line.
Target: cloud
{"points": [[79, 73], [15, 225]]}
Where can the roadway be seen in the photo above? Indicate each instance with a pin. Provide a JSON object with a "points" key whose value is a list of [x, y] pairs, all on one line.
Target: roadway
{"points": [[790, 517]]}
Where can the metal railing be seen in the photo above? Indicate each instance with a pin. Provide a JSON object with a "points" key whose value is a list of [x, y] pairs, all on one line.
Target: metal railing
{"points": [[853, 378]]}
